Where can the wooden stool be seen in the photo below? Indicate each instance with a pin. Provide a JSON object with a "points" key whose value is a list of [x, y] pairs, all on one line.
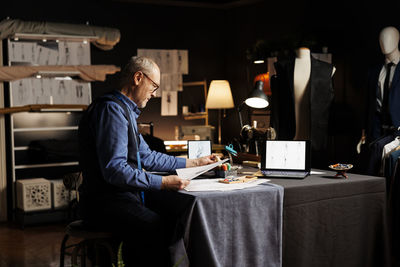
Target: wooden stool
{"points": [[88, 238]]}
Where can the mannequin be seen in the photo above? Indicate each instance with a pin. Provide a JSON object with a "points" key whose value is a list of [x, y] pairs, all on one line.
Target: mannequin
{"points": [[374, 126], [302, 72], [302, 94]]}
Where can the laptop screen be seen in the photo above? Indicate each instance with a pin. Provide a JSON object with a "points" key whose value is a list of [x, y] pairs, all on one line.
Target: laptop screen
{"points": [[286, 155], [198, 148]]}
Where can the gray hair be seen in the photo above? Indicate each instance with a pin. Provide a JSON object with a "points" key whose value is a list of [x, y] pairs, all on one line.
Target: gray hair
{"points": [[135, 64]]}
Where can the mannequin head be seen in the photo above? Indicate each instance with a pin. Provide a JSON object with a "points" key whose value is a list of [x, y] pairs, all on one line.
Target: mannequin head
{"points": [[389, 40]]}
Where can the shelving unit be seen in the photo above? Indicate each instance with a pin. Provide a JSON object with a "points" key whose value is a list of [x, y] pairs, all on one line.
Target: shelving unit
{"points": [[198, 115], [50, 116]]}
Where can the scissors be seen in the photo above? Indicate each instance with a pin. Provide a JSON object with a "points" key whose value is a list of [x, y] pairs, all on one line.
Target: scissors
{"points": [[231, 150]]}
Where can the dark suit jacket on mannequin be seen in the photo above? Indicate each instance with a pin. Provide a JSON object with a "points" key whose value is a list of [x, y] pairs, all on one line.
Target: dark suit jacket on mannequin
{"points": [[373, 122], [321, 96]]}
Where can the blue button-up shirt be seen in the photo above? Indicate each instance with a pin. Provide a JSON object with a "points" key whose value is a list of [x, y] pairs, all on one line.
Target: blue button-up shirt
{"points": [[110, 129]]}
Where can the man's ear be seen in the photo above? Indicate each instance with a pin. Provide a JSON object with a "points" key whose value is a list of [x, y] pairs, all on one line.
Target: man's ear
{"points": [[137, 77]]}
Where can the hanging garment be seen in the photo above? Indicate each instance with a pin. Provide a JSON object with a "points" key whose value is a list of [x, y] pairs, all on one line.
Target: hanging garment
{"points": [[387, 149], [374, 157]]}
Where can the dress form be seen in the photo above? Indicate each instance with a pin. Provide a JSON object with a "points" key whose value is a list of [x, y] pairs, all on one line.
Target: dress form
{"points": [[302, 72]]}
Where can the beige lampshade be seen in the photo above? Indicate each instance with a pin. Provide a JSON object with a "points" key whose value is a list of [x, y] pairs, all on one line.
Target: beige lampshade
{"points": [[219, 95]]}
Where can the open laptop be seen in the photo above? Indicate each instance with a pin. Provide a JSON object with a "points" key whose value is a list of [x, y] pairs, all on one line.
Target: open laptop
{"points": [[198, 148], [285, 159]]}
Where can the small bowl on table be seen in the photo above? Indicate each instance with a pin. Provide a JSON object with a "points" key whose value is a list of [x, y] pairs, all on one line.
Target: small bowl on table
{"points": [[341, 169]]}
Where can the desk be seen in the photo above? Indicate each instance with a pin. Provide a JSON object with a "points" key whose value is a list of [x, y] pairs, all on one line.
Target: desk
{"points": [[326, 222], [334, 222]]}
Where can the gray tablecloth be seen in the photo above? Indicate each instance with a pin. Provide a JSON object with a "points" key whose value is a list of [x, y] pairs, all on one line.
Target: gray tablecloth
{"points": [[231, 228], [334, 221], [326, 222]]}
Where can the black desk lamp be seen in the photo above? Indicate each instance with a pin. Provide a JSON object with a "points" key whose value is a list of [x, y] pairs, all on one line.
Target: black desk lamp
{"points": [[256, 99]]}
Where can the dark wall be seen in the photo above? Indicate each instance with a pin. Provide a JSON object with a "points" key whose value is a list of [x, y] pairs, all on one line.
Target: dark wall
{"points": [[146, 26], [217, 41], [350, 32]]}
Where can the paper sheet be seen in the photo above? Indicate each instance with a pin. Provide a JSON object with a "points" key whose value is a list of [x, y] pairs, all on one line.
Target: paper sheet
{"points": [[317, 173], [214, 185], [190, 173], [169, 103]]}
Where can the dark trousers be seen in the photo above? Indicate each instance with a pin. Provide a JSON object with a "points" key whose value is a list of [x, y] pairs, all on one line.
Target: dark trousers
{"points": [[141, 230]]}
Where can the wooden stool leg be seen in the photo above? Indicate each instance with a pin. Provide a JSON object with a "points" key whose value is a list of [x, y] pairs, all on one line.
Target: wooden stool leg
{"points": [[83, 254], [74, 255]]}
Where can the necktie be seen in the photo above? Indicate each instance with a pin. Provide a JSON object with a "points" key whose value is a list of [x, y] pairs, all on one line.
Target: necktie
{"points": [[385, 101]]}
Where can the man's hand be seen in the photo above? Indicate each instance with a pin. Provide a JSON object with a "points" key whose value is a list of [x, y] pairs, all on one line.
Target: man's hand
{"points": [[173, 182], [201, 161]]}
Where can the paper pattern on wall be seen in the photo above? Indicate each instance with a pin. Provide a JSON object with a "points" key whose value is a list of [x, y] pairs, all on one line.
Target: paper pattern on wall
{"points": [[49, 53], [22, 51], [171, 82], [169, 103], [73, 53], [170, 61], [49, 91], [183, 61]]}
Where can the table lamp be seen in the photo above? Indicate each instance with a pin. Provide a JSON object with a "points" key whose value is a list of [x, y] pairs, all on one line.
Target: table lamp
{"points": [[219, 97], [256, 99]]}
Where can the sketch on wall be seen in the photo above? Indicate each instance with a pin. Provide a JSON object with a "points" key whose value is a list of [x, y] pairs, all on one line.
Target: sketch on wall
{"points": [[173, 64], [49, 53], [169, 103], [49, 90]]}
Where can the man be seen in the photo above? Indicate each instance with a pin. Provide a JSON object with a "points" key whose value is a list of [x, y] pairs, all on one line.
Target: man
{"points": [[112, 156]]}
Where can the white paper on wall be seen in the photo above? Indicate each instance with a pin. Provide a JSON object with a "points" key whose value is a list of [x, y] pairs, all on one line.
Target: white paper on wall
{"points": [[183, 61], [47, 53], [47, 87], [169, 103], [171, 82], [39, 96], [22, 52], [80, 92], [173, 63], [21, 92], [62, 93], [169, 60], [79, 53]]}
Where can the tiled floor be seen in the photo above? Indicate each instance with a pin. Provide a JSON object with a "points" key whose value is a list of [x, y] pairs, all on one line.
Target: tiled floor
{"points": [[33, 246]]}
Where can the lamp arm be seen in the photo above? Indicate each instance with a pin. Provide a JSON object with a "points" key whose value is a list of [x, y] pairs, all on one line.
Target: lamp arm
{"points": [[239, 109]]}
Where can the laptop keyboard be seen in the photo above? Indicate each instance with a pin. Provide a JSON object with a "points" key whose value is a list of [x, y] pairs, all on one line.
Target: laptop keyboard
{"points": [[296, 174]]}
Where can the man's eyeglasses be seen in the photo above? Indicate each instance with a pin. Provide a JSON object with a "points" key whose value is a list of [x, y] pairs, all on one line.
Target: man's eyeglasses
{"points": [[156, 86]]}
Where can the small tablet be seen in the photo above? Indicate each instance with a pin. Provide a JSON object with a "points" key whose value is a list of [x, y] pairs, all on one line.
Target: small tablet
{"points": [[198, 148]]}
